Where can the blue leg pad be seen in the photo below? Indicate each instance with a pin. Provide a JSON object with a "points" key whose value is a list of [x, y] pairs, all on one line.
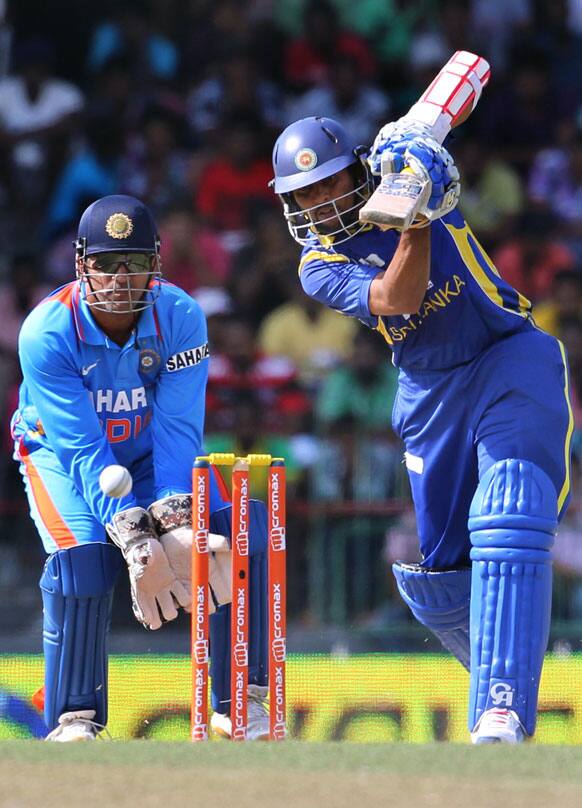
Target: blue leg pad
{"points": [[77, 591], [512, 523], [439, 599], [221, 522]]}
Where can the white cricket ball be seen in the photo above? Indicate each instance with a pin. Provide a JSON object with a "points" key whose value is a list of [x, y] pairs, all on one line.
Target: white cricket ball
{"points": [[115, 481]]}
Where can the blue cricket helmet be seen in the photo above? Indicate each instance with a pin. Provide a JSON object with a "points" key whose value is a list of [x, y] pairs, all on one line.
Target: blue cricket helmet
{"points": [[118, 231], [117, 223], [311, 150]]}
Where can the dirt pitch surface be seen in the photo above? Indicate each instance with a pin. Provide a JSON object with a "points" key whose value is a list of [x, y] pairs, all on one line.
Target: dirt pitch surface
{"points": [[149, 774]]}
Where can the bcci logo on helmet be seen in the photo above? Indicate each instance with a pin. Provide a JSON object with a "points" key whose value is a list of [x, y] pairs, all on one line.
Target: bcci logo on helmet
{"points": [[119, 225], [305, 159]]}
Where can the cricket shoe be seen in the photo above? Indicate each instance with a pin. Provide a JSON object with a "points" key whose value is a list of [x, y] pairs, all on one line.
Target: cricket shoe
{"points": [[76, 726], [498, 726], [257, 717]]}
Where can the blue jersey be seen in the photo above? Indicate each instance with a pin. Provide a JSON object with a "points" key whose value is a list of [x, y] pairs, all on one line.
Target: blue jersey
{"points": [[467, 306], [478, 382], [89, 402]]}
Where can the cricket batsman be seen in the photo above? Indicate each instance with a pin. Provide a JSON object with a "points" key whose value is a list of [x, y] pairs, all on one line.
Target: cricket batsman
{"points": [[114, 367], [482, 406]]}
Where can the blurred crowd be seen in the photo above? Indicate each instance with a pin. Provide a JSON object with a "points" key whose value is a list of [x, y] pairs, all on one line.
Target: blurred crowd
{"points": [[178, 102]]}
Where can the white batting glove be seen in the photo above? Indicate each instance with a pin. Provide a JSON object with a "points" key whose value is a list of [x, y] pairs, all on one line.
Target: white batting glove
{"points": [[155, 590]]}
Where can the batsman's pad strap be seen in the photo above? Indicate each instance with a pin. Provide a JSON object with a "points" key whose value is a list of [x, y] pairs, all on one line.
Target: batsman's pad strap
{"points": [[439, 599], [77, 590], [512, 522], [221, 523]]}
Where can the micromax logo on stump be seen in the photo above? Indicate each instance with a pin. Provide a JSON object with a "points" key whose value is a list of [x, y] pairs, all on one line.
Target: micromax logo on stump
{"points": [[278, 642], [242, 536], [277, 531], [200, 643], [199, 732], [239, 730], [240, 649], [199, 728], [200, 529], [279, 727]]}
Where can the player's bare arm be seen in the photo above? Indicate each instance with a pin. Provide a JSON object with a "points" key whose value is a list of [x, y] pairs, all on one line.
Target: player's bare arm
{"points": [[400, 288]]}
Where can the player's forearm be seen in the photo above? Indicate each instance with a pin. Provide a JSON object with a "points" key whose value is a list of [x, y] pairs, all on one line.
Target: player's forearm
{"points": [[400, 289]]}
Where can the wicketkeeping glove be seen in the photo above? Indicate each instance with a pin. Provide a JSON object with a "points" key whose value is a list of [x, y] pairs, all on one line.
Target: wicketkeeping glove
{"points": [[172, 519], [155, 590]]}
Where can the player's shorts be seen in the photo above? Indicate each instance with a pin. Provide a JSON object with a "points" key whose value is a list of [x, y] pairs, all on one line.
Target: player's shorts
{"points": [[61, 514], [512, 401]]}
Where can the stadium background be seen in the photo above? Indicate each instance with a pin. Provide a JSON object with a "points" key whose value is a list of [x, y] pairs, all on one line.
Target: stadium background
{"points": [[178, 103]]}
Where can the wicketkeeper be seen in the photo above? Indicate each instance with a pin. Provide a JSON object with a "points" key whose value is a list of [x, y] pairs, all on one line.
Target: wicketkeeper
{"points": [[115, 366]]}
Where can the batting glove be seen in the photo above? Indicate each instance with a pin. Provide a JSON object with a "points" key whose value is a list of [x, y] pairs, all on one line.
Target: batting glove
{"points": [[431, 161], [389, 147]]}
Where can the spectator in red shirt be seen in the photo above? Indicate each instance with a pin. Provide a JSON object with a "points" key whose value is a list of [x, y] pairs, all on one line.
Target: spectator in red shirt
{"points": [[530, 261], [308, 60], [234, 181]]}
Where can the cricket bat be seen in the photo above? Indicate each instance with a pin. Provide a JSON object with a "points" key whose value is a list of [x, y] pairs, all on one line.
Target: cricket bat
{"points": [[447, 102]]}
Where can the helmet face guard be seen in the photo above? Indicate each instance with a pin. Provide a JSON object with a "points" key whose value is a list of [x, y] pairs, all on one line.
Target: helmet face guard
{"points": [[340, 225], [105, 289], [311, 150]]}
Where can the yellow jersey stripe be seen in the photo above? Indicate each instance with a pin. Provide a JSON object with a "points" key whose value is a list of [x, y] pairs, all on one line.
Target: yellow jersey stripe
{"points": [[381, 328], [566, 487], [460, 237], [317, 255], [523, 302]]}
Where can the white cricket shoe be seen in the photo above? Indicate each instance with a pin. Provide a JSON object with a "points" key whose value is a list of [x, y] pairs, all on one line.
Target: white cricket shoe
{"points": [[76, 726], [498, 726], [257, 717]]}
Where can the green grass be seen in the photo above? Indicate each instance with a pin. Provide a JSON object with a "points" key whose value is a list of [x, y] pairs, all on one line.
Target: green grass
{"points": [[301, 775]]}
